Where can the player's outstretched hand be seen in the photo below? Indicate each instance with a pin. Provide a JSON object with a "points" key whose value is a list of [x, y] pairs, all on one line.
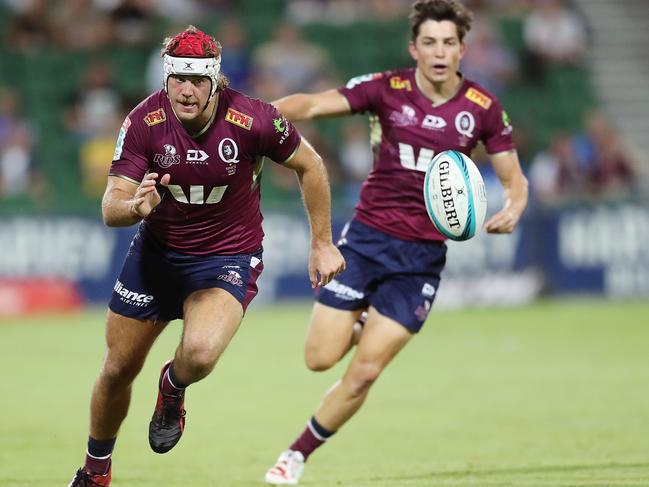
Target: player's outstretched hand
{"points": [[146, 197], [325, 263], [502, 222]]}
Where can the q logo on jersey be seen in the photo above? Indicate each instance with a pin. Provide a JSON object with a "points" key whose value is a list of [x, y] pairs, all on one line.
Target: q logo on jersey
{"points": [[228, 151], [465, 123]]}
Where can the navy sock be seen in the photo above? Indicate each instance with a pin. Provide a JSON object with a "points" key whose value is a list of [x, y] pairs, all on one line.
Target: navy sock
{"points": [[174, 379], [98, 455]]}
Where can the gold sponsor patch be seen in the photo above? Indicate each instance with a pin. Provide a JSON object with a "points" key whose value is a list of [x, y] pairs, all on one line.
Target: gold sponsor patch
{"points": [[396, 83], [154, 118], [478, 98], [238, 118]]}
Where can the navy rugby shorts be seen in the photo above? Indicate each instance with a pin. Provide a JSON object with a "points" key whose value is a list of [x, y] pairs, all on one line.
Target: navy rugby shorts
{"points": [[155, 281], [397, 277]]}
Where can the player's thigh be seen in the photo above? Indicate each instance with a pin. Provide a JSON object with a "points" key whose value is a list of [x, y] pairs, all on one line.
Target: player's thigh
{"points": [[329, 335], [212, 317], [381, 340], [128, 340]]}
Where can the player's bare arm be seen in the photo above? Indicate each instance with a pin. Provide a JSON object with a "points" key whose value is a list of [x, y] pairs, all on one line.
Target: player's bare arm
{"points": [[126, 203], [303, 106], [508, 170], [325, 260]]}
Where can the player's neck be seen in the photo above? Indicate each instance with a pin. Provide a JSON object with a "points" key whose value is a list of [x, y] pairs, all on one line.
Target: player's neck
{"points": [[438, 93], [199, 126]]}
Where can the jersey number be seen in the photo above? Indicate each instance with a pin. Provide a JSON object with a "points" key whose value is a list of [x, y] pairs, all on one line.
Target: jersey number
{"points": [[197, 194], [407, 157]]}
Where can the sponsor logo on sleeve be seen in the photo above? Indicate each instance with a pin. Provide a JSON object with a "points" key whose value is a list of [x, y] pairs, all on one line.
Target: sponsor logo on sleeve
{"points": [[362, 79], [396, 83], [156, 117], [478, 98], [281, 127], [507, 124], [119, 145], [240, 119]]}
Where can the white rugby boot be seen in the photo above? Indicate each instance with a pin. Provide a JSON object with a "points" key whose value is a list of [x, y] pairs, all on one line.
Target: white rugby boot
{"points": [[287, 470]]}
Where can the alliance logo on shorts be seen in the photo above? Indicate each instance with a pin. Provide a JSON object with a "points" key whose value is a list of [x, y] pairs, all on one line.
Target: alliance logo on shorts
{"points": [[131, 297], [344, 292], [233, 277]]}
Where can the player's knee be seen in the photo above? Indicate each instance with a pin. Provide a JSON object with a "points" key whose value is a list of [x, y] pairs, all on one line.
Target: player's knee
{"points": [[120, 373], [362, 376], [319, 360], [199, 359]]}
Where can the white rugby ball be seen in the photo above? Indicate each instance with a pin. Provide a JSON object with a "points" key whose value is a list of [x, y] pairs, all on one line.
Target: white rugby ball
{"points": [[455, 195]]}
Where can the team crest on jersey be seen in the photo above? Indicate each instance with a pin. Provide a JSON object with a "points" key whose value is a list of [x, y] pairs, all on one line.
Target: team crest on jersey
{"points": [[465, 124], [405, 118], [240, 119], [396, 83], [229, 153], [156, 117], [168, 159], [479, 98]]}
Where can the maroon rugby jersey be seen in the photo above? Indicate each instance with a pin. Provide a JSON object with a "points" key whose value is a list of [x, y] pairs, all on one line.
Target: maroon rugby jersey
{"points": [[406, 132], [212, 202]]}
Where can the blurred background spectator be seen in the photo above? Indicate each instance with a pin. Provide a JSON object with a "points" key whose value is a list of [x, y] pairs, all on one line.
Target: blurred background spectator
{"points": [[287, 63], [18, 176], [554, 35], [532, 53]]}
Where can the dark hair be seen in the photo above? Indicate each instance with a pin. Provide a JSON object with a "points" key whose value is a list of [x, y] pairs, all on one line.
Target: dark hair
{"points": [[438, 10]]}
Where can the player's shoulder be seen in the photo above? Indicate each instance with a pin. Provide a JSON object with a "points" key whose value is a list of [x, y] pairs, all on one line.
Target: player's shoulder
{"points": [[478, 94], [151, 111], [246, 111]]}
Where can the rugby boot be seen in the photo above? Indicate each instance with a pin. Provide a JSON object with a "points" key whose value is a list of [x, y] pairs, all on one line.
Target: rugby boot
{"points": [[83, 478], [168, 420], [287, 470]]}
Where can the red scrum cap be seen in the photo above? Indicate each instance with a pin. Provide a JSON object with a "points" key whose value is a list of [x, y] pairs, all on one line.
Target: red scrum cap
{"points": [[193, 43], [192, 53]]}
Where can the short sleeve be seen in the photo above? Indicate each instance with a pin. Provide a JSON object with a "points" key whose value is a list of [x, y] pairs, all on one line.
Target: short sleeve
{"points": [[279, 139], [130, 158], [364, 92], [498, 130]]}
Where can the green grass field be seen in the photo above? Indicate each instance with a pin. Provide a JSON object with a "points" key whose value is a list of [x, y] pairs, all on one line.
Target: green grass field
{"points": [[555, 394]]}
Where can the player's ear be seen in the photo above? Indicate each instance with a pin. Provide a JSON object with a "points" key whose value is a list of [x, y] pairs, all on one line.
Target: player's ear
{"points": [[412, 49], [462, 49]]}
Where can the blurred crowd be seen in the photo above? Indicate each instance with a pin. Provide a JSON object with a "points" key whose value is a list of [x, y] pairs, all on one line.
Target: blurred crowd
{"points": [[590, 162]]}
